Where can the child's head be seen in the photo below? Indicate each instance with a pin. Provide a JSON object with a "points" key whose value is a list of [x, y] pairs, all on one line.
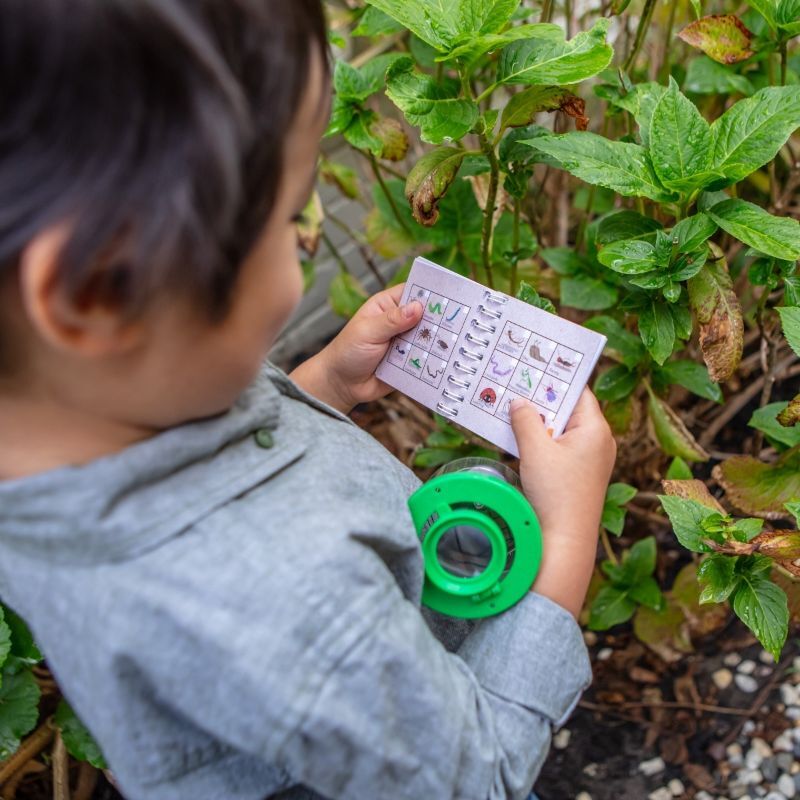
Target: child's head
{"points": [[154, 155]]}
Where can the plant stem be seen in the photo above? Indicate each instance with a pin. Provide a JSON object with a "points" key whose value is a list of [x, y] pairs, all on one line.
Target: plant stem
{"points": [[362, 247], [664, 70], [488, 212], [515, 246], [568, 17], [547, 11], [607, 546], [485, 93], [334, 251], [641, 32], [385, 189], [783, 62]]}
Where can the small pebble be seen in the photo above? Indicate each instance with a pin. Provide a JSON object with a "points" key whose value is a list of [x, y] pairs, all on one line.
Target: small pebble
{"points": [[760, 746], [590, 637], [653, 766], [748, 727], [785, 761], [786, 785], [747, 683], [790, 695], [660, 794], [753, 759], [604, 654], [735, 756], [796, 779], [676, 787], [751, 777], [703, 795], [793, 713], [561, 739], [731, 660], [769, 769], [583, 796], [783, 742], [776, 796], [722, 678], [591, 770], [766, 658], [736, 790], [763, 671], [746, 667]]}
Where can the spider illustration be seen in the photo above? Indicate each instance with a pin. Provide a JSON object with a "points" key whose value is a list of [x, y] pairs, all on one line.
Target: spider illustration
{"points": [[488, 396], [442, 344], [425, 334], [512, 339]]}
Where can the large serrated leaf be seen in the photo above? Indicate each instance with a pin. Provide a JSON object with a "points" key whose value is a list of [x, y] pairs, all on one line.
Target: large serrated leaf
{"points": [[776, 236], [762, 606], [758, 488], [78, 739], [719, 314], [433, 107], [686, 517], [692, 489], [551, 61], [428, 181], [750, 132], [670, 432], [680, 141], [723, 37], [657, 329], [621, 166], [790, 321], [522, 108]]}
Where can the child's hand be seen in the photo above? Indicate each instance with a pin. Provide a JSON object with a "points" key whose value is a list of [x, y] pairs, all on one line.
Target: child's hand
{"points": [[342, 374], [566, 479]]}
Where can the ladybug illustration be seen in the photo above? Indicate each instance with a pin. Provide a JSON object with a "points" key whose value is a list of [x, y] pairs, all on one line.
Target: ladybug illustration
{"points": [[488, 396]]}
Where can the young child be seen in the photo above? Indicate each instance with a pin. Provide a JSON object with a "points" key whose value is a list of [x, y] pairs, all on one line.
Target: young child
{"points": [[221, 568]]}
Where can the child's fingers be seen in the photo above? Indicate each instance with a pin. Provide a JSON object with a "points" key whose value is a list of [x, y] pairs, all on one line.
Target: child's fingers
{"points": [[382, 327], [529, 429], [587, 412]]}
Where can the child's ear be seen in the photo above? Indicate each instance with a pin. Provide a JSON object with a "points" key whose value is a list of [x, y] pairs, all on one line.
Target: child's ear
{"points": [[90, 329]]}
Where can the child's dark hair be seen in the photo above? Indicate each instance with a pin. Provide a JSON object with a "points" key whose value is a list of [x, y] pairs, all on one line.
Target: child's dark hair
{"points": [[153, 130]]}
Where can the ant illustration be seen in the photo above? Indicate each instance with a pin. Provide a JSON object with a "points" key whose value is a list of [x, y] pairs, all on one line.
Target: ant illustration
{"points": [[564, 362], [488, 396]]}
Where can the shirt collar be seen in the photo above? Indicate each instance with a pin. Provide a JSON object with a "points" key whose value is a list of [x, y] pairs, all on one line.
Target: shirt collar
{"points": [[123, 504]]}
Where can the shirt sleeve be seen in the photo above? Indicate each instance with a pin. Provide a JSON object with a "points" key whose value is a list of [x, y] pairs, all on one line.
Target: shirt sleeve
{"points": [[340, 681]]}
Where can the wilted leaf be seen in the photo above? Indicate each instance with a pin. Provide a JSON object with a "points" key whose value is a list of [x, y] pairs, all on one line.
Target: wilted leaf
{"points": [[719, 314], [776, 236], [779, 545], [341, 176], [393, 139], [346, 295], [671, 434], [722, 37], [790, 320], [760, 489], [309, 228], [664, 631], [524, 106], [556, 61], [692, 489], [790, 416], [428, 181], [433, 107]]}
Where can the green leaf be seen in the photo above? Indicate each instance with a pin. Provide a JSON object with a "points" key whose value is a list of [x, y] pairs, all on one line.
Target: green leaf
{"points": [[441, 22], [346, 295], [470, 48], [657, 329], [794, 510], [765, 420], [587, 294], [622, 345], [22, 645], [723, 37], [522, 108], [375, 22], [341, 176], [620, 493], [5, 638], [629, 256], [555, 61], [625, 224], [680, 141], [745, 530], [762, 606], [768, 9], [647, 593], [611, 607], [670, 432], [434, 108], [679, 470], [620, 166], [776, 236], [705, 76], [691, 376], [78, 740], [719, 314], [716, 572], [19, 706], [790, 320], [760, 489], [429, 180], [789, 417], [791, 286], [788, 11], [617, 495], [640, 561], [750, 133], [693, 231], [615, 383], [564, 260], [529, 295], [687, 518]]}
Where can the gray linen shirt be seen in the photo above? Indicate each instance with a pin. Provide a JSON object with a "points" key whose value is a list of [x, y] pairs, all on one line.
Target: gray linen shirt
{"points": [[236, 615]]}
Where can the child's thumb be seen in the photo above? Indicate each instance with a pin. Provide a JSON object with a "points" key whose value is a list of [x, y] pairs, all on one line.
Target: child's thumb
{"points": [[399, 319], [529, 428]]}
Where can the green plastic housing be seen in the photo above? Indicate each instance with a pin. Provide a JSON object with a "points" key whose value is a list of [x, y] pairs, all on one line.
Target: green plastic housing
{"points": [[464, 498]]}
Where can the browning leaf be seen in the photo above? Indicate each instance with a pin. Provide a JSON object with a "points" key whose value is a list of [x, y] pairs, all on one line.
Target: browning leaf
{"points": [[393, 139], [575, 107], [780, 545], [693, 490], [671, 434], [480, 188], [309, 228], [790, 415], [722, 37], [719, 314], [428, 181]]}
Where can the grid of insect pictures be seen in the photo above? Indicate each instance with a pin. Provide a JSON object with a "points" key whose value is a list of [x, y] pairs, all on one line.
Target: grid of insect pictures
{"points": [[527, 365], [425, 350]]}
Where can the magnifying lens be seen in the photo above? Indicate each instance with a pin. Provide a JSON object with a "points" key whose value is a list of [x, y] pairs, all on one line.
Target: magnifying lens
{"points": [[481, 539]]}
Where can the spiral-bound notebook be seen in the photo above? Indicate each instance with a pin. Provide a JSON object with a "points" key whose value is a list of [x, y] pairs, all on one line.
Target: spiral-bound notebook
{"points": [[475, 350]]}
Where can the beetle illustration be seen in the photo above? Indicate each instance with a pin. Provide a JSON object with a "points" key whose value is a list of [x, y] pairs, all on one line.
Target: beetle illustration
{"points": [[442, 343], [488, 396]]}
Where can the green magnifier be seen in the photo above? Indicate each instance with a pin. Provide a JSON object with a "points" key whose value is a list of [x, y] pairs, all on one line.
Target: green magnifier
{"points": [[481, 540]]}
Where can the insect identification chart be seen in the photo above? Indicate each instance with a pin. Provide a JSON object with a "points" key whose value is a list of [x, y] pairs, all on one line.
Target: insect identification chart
{"points": [[475, 350]]}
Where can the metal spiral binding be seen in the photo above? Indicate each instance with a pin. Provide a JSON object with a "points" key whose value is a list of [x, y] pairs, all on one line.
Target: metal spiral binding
{"points": [[477, 339], [458, 382], [489, 312], [465, 368], [459, 398], [481, 327]]}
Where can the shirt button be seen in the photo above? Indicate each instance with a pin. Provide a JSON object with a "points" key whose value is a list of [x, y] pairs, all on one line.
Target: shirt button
{"points": [[264, 438]]}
